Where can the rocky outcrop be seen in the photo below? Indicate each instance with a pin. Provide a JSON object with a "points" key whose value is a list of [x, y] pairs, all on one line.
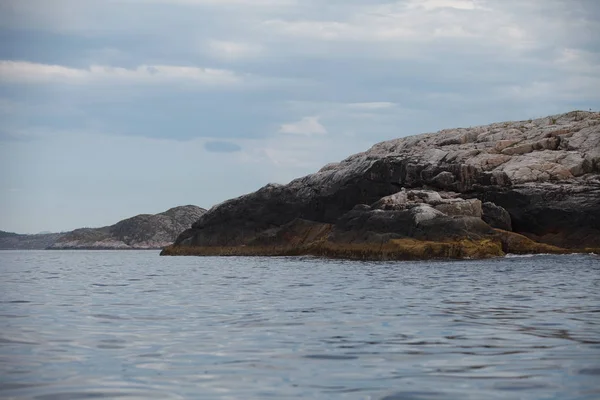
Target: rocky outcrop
{"points": [[540, 178], [143, 231]]}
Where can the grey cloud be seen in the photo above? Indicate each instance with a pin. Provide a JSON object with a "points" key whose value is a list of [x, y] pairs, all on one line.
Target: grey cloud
{"points": [[448, 76]]}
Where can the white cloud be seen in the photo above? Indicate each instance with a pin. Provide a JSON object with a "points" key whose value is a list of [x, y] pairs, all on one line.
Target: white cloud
{"points": [[388, 23], [295, 156], [312, 29], [306, 126], [416, 21], [376, 105], [437, 4], [27, 72], [578, 61], [245, 3], [325, 106], [233, 50], [570, 89], [476, 26]]}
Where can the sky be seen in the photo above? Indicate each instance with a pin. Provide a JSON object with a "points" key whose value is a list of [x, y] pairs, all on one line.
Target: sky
{"points": [[112, 108]]}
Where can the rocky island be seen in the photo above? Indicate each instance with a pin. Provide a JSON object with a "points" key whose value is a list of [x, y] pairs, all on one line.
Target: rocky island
{"points": [[513, 187], [144, 231], [40, 241]]}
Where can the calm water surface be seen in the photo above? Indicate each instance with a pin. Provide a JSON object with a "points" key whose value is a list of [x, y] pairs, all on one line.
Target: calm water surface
{"points": [[79, 325]]}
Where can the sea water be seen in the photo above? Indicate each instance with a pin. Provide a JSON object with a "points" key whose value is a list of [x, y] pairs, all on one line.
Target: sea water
{"points": [[131, 324]]}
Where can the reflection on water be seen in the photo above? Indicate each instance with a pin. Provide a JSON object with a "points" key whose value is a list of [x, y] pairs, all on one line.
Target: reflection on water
{"points": [[81, 325]]}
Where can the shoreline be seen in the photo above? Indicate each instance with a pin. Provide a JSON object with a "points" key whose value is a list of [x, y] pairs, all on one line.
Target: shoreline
{"points": [[501, 244]]}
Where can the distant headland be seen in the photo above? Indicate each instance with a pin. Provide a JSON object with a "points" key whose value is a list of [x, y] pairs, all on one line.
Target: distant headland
{"points": [[144, 231]]}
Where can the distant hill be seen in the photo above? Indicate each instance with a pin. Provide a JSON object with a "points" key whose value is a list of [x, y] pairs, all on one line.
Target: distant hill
{"points": [[7, 234], [14, 241], [144, 231]]}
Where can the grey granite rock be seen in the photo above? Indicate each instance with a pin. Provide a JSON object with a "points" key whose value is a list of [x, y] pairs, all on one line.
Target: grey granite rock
{"points": [[422, 222]]}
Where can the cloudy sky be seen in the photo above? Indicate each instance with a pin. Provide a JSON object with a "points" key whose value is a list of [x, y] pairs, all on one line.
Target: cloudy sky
{"points": [[111, 108]]}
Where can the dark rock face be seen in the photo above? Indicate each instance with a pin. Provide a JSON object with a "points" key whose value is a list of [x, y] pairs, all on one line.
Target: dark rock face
{"points": [[143, 231], [496, 216], [562, 214], [539, 177], [418, 223]]}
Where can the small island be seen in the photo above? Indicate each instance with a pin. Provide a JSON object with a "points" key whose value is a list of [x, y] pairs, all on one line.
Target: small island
{"points": [[512, 187]]}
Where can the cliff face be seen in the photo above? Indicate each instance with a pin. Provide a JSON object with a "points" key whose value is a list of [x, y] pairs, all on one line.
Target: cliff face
{"points": [[539, 178], [143, 231]]}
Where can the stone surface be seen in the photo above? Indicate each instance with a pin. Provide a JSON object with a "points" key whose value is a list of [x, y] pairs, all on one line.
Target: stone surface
{"points": [[543, 172], [464, 207], [496, 216]]}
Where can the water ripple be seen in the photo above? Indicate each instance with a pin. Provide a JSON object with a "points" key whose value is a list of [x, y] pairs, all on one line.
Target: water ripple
{"points": [[135, 325]]}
